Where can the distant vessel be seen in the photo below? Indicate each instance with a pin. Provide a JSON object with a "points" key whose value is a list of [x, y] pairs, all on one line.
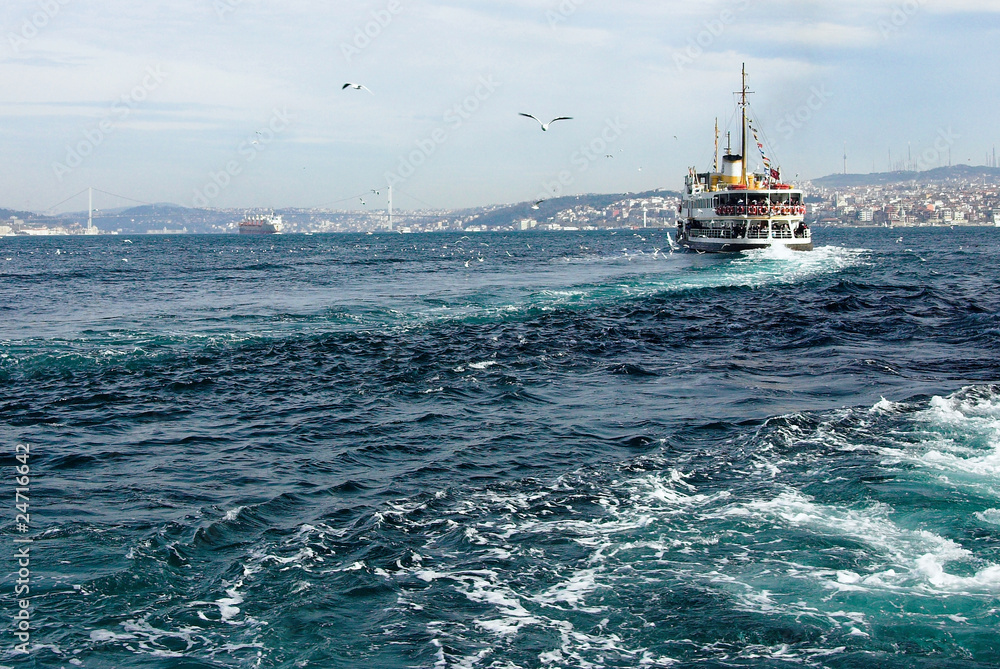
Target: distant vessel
{"points": [[261, 224], [730, 210]]}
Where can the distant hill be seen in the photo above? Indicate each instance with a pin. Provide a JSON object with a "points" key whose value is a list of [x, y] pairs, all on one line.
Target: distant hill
{"points": [[156, 217], [959, 172], [6, 214], [511, 214], [147, 217]]}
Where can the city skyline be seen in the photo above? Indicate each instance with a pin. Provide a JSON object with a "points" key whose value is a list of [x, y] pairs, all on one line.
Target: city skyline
{"points": [[240, 103]]}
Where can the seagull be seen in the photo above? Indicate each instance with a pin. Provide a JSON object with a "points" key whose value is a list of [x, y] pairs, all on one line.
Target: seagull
{"points": [[360, 87], [534, 205], [545, 126]]}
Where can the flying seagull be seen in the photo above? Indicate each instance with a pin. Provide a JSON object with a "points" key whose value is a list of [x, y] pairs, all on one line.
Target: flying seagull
{"points": [[535, 204], [545, 126], [360, 87]]}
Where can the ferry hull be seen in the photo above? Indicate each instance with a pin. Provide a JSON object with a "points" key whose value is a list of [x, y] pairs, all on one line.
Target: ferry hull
{"points": [[258, 230], [736, 246]]}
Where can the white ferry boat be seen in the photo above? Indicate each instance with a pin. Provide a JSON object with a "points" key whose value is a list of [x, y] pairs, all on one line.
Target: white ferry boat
{"points": [[261, 224], [729, 209]]}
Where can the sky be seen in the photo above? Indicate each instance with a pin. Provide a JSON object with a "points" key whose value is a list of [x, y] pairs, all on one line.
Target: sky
{"points": [[239, 103]]}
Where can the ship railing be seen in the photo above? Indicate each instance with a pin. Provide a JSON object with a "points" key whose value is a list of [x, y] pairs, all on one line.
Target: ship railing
{"points": [[712, 233]]}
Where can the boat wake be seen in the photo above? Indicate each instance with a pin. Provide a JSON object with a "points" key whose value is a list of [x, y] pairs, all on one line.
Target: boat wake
{"points": [[798, 542]]}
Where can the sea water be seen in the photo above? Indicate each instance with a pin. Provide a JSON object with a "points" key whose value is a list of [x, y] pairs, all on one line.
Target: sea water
{"points": [[572, 449]]}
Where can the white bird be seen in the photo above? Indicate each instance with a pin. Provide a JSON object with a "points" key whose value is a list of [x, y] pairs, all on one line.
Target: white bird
{"points": [[545, 126], [359, 87], [535, 204]]}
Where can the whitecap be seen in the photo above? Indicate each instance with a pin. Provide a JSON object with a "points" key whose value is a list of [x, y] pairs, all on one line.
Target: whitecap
{"points": [[229, 606], [991, 516]]}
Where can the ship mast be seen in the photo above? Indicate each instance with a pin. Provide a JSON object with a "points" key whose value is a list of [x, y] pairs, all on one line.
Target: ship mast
{"points": [[743, 128]]}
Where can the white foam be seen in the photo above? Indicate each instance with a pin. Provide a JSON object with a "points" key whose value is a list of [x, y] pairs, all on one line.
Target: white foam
{"points": [[885, 406], [912, 559], [429, 575], [300, 559], [985, 580], [573, 591], [99, 636], [991, 516], [956, 436], [229, 606]]}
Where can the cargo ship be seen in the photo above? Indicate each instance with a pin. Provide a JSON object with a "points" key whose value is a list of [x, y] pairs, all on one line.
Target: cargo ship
{"points": [[260, 224], [730, 209]]}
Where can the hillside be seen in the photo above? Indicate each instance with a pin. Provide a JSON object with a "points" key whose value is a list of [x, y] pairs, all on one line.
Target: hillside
{"points": [[547, 210], [7, 214], [955, 172]]}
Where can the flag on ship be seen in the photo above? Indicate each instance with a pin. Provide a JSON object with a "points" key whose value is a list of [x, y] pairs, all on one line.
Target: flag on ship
{"points": [[773, 172]]}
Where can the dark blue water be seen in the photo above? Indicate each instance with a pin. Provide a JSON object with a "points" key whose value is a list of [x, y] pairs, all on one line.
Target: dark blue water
{"points": [[499, 451]]}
